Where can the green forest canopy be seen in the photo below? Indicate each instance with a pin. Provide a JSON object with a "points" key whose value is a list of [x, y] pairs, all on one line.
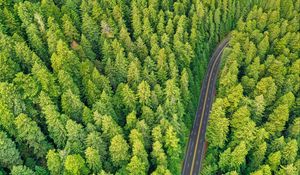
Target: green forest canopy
{"points": [[111, 86], [254, 126]]}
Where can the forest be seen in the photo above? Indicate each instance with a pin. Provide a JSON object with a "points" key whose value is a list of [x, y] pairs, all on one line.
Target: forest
{"points": [[106, 87], [254, 125]]}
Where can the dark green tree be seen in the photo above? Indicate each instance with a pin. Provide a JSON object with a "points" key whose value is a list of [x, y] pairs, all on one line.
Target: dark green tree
{"points": [[29, 132], [9, 154]]}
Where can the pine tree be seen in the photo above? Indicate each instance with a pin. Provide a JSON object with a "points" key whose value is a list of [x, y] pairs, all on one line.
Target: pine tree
{"points": [[71, 8], [95, 141], [46, 79], [9, 154], [158, 154], [107, 125], [8, 67], [277, 119], [161, 24], [289, 152], [266, 87], [87, 48], [67, 83], [29, 132], [184, 86], [258, 155], [293, 130], [162, 66], [11, 105], [49, 8], [70, 30], [119, 150], [65, 59], [230, 160], [133, 74], [54, 34], [218, 125], [25, 10], [90, 29], [35, 39], [289, 169], [11, 21], [93, 159], [147, 29], [55, 161], [139, 161], [54, 120], [263, 47], [136, 20], [75, 164], [144, 93], [172, 98], [243, 127], [141, 48], [71, 105], [76, 137], [125, 39], [286, 9], [173, 149], [274, 160], [21, 170], [104, 106]]}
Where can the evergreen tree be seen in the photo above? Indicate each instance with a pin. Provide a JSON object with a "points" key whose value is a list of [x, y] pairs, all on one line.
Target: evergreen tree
{"points": [[55, 161], [267, 88], [218, 125], [93, 159], [119, 150], [95, 142], [71, 105], [8, 67], [46, 79], [144, 93], [76, 137], [29, 132], [109, 87], [35, 39], [173, 149], [9, 154], [289, 152], [75, 164], [277, 119], [70, 30], [22, 170], [274, 160], [54, 120]]}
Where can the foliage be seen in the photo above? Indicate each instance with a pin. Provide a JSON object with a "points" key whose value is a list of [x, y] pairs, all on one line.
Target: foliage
{"points": [[112, 87], [258, 79]]}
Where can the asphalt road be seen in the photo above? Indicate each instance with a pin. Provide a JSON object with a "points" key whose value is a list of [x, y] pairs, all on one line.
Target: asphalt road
{"points": [[195, 149]]}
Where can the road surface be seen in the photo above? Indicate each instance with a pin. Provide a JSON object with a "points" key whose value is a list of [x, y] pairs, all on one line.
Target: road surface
{"points": [[195, 151]]}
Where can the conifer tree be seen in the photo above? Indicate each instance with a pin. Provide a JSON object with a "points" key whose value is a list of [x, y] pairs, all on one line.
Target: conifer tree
{"points": [[22, 170], [55, 161], [75, 164], [119, 150], [70, 30], [9, 154], [71, 105], [54, 120], [76, 137], [29, 132]]}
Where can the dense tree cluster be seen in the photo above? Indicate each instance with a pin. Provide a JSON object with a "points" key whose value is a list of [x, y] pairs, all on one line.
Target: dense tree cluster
{"points": [[254, 126], [106, 86]]}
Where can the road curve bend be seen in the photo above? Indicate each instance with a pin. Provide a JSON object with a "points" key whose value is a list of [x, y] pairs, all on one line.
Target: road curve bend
{"points": [[195, 149]]}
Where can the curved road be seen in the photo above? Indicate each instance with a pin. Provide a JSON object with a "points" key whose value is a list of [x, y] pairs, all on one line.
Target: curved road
{"points": [[195, 149]]}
